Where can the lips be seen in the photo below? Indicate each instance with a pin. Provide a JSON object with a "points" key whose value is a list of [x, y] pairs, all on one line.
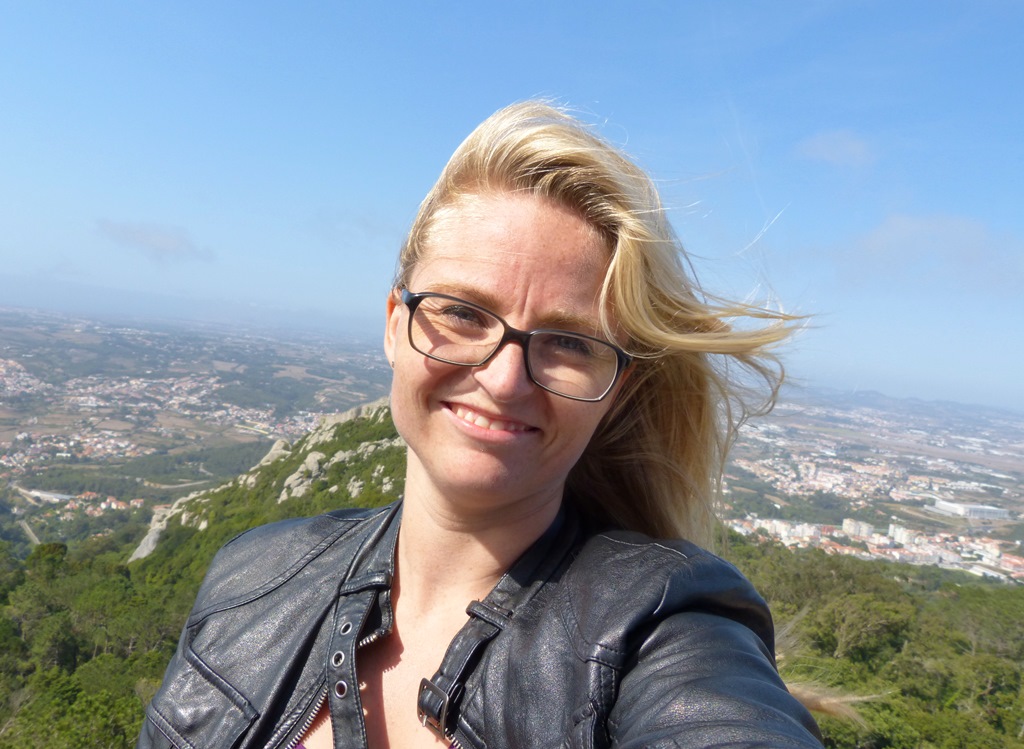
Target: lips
{"points": [[477, 419]]}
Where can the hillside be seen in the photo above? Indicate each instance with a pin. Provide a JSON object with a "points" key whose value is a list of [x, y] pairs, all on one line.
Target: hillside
{"points": [[85, 634]]}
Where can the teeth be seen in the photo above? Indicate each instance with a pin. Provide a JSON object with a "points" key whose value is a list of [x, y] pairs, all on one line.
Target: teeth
{"points": [[483, 422]]}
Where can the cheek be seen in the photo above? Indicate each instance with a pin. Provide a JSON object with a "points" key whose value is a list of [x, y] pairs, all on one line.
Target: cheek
{"points": [[583, 423], [402, 403], [414, 383]]}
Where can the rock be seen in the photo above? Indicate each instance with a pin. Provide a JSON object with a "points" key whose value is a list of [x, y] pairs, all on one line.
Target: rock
{"points": [[324, 431], [158, 525], [280, 449], [312, 464], [299, 483]]}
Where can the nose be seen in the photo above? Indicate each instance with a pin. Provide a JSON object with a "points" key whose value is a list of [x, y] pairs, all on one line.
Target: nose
{"points": [[504, 375]]}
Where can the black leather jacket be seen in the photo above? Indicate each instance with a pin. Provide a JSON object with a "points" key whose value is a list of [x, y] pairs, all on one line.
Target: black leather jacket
{"points": [[590, 640]]}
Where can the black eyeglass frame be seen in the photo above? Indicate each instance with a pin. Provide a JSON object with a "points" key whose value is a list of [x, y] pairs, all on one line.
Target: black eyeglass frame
{"points": [[523, 337]]}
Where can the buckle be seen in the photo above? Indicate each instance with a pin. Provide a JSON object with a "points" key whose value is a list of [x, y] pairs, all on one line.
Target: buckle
{"points": [[438, 721]]}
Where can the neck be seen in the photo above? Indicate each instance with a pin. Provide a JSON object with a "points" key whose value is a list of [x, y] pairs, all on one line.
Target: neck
{"points": [[447, 553]]}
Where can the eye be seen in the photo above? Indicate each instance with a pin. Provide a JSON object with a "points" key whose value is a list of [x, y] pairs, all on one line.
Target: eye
{"points": [[455, 316], [572, 345], [462, 315]]}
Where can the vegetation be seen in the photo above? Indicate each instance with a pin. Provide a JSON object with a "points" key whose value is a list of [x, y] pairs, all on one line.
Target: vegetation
{"points": [[158, 479], [750, 495], [84, 636], [935, 656], [214, 463]]}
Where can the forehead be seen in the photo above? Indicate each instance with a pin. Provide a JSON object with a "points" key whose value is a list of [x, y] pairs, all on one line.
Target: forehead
{"points": [[517, 244]]}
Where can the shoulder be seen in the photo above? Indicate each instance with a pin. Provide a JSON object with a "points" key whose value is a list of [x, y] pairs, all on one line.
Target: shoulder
{"points": [[694, 642], [623, 582], [266, 556], [661, 643]]}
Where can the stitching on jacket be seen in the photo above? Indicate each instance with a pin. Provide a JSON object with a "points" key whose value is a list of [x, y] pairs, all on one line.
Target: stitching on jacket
{"points": [[651, 544], [597, 647], [223, 686], [613, 678], [701, 555], [322, 546], [164, 727], [575, 634]]}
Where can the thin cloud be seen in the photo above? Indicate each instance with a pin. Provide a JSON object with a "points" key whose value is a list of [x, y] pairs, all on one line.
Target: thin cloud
{"points": [[953, 252], [841, 148], [161, 244]]}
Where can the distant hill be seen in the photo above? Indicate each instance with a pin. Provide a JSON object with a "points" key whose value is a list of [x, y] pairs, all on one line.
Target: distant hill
{"points": [[950, 410]]}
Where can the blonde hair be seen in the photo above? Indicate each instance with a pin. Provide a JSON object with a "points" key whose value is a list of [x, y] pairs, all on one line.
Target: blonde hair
{"points": [[655, 462]]}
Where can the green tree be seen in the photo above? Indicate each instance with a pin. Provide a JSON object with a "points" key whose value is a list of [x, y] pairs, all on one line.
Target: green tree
{"points": [[12, 572], [47, 560], [53, 644], [861, 626]]}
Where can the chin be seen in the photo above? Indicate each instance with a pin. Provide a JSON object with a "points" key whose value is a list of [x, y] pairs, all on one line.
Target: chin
{"points": [[496, 485]]}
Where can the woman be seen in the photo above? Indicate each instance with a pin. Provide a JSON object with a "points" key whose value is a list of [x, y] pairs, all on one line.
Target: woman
{"points": [[554, 379]]}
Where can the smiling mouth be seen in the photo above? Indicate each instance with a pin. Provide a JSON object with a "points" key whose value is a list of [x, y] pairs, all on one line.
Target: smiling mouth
{"points": [[479, 420]]}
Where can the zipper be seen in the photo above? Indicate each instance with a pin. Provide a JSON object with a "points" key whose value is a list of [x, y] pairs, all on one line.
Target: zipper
{"points": [[371, 638], [307, 721], [454, 739], [319, 703]]}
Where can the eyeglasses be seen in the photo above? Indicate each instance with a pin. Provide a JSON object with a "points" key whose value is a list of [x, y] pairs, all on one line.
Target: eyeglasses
{"points": [[454, 331]]}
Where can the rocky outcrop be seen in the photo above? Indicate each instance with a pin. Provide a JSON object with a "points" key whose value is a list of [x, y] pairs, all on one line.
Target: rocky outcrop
{"points": [[313, 467], [158, 524], [299, 483], [281, 449], [324, 431]]}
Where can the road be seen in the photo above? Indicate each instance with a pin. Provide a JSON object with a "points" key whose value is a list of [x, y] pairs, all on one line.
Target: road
{"points": [[26, 495], [28, 532]]}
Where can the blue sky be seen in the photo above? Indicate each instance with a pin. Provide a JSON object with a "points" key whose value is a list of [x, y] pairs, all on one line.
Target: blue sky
{"points": [[859, 162]]}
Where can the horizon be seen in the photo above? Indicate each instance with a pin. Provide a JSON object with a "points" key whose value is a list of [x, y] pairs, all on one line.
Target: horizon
{"points": [[280, 329], [855, 164]]}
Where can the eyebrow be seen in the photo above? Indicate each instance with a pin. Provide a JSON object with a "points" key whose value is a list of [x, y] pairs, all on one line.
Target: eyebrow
{"points": [[560, 319]]}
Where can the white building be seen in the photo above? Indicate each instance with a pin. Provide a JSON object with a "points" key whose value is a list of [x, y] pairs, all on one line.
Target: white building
{"points": [[974, 512], [857, 529]]}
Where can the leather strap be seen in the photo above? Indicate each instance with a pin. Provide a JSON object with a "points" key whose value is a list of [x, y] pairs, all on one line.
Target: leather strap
{"points": [[439, 695], [438, 700]]}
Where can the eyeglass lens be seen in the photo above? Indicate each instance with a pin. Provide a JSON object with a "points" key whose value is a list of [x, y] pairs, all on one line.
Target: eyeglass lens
{"points": [[566, 363]]}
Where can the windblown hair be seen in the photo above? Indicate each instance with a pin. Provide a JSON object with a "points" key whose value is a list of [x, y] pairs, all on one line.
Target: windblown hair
{"points": [[655, 462]]}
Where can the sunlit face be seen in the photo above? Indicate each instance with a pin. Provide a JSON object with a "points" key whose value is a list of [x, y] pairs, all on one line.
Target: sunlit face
{"points": [[487, 436]]}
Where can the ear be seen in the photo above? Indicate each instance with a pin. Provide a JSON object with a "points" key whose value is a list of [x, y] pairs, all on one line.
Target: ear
{"points": [[392, 312]]}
